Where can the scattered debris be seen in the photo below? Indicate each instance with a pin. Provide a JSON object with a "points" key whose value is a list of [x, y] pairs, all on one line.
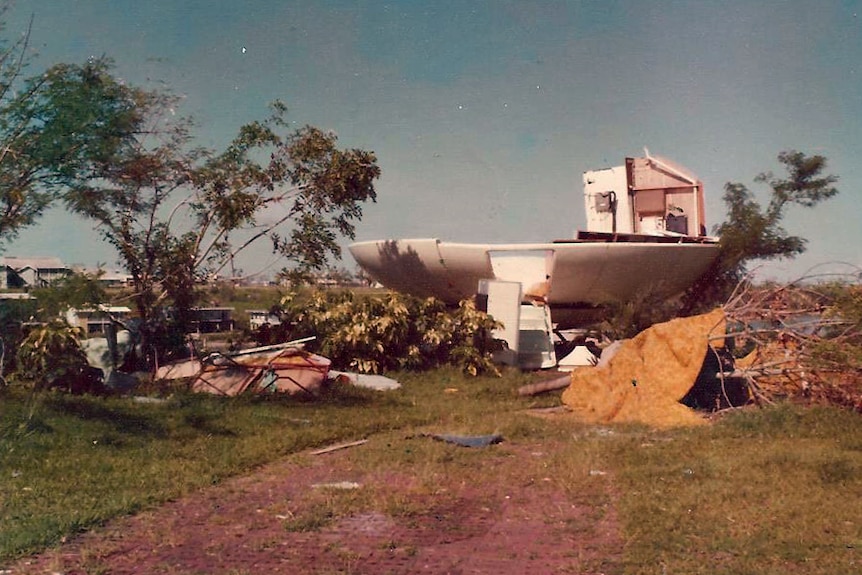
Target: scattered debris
{"points": [[543, 386], [799, 340], [121, 381], [581, 356], [149, 400], [339, 446], [547, 411], [106, 353], [369, 381], [283, 368], [804, 339], [178, 369], [609, 352], [468, 440], [337, 485]]}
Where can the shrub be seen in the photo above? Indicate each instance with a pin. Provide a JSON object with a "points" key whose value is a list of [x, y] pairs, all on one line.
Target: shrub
{"points": [[50, 356], [377, 334]]}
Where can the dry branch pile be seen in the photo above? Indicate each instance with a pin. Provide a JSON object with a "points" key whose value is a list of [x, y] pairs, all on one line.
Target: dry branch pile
{"points": [[805, 341]]}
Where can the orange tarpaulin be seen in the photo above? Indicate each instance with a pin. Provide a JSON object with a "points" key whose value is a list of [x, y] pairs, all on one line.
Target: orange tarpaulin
{"points": [[644, 381]]}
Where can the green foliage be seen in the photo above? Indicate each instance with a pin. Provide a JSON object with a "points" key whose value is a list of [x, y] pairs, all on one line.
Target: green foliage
{"points": [[55, 128], [75, 290], [845, 302], [13, 313], [751, 233], [128, 194], [840, 349], [393, 332], [120, 157], [171, 209], [51, 356], [624, 320], [329, 186]]}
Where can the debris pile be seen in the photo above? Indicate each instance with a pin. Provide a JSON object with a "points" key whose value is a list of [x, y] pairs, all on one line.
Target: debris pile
{"points": [[648, 375], [285, 368], [765, 344], [804, 342]]}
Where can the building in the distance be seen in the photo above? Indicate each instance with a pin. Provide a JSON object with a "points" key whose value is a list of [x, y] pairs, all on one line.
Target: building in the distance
{"points": [[212, 319], [257, 318], [106, 277], [22, 273], [94, 321]]}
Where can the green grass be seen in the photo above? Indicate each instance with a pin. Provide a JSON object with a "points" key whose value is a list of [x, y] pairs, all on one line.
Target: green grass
{"points": [[770, 491], [758, 491], [80, 461]]}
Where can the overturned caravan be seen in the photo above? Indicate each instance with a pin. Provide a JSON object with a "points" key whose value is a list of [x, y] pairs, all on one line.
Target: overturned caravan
{"points": [[645, 234]]}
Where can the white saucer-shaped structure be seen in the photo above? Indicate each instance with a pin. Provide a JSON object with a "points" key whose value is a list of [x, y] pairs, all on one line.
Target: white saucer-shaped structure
{"points": [[645, 236], [580, 276]]}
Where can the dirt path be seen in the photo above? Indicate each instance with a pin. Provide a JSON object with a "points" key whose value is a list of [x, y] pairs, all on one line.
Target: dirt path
{"points": [[276, 520]]}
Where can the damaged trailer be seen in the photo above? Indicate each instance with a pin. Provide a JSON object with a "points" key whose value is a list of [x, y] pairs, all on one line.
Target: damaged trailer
{"points": [[281, 368]]}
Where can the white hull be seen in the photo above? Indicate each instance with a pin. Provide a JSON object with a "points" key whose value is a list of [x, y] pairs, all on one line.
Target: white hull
{"points": [[581, 275]]}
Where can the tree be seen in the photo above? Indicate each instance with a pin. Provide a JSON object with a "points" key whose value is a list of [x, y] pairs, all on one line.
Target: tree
{"points": [[53, 127], [171, 210], [76, 290], [751, 233]]}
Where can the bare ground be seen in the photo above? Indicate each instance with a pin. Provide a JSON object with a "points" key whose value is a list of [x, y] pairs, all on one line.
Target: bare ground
{"points": [[513, 521]]}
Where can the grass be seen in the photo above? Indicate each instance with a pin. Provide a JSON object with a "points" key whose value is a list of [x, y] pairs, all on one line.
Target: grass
{"points": [[80, 461], [759, 491]]}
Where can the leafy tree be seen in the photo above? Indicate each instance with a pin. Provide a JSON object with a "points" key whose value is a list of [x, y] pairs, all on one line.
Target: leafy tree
{"points": [[53, 127], [78, 290], [172, 210], [13, 314], [753, 233]]}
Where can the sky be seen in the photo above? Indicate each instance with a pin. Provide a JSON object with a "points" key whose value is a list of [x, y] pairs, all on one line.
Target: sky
{"points": [[485, 114]]}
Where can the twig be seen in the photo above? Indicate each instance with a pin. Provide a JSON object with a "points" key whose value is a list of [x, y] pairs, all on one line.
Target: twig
{"points": [[338, 446]]}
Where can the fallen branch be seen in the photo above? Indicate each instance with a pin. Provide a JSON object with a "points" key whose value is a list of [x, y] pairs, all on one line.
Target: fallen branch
{"points": [[338, 446], [543, 386], [808, 337]]}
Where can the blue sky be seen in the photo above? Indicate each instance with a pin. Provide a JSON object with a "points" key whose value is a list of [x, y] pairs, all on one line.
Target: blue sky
{"points": [[485, 114]]}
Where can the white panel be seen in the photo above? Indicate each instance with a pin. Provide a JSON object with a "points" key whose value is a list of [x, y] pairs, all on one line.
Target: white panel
{"points": [[531, 268], [598, 183], [504, 305], [535, 339]]}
